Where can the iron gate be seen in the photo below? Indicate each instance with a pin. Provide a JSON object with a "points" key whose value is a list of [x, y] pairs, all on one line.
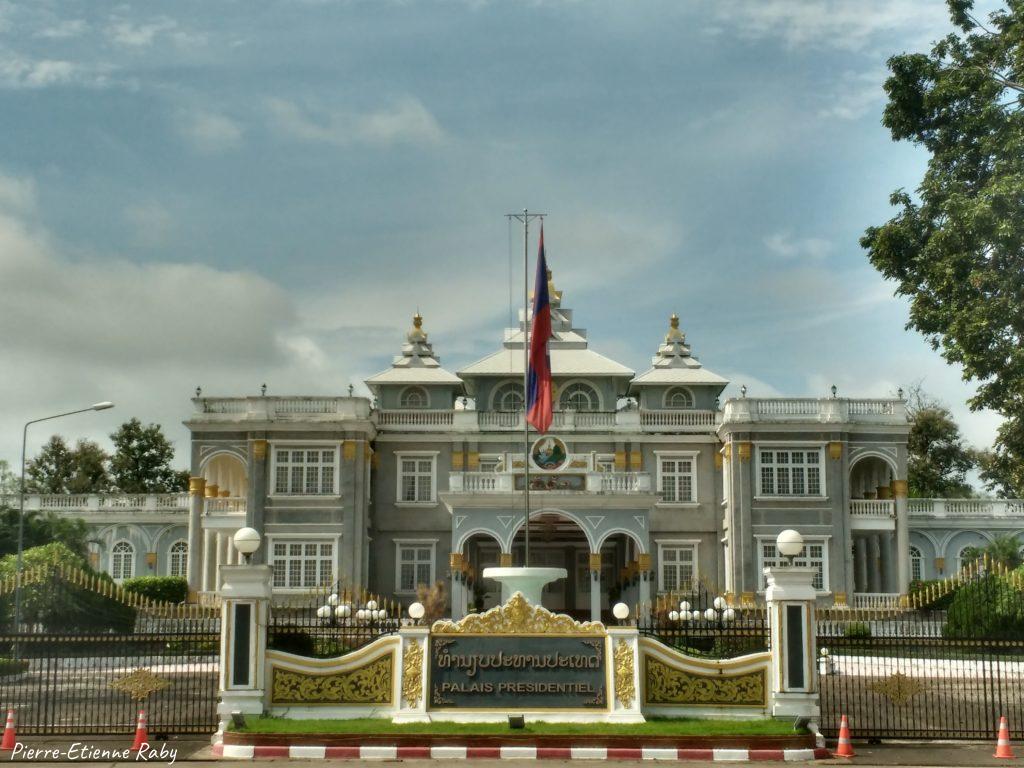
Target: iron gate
{"points": [[88, 656], [946, 671]]}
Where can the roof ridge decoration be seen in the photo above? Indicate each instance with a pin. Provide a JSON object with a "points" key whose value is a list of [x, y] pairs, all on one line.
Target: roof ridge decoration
{"points": [[518, 617], [675, 345], [417, 364]]}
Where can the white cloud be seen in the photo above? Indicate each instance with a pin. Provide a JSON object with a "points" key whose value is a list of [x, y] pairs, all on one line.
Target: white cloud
{"points": [[17, 196], [140, 35], [63, 29], [403, 121], [785, 245], [151, 223], [854, 95], [831, 24], [209, 131], [18, 71]]}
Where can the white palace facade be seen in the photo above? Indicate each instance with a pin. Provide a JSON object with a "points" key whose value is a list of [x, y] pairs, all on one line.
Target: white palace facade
{"points": [[649, 482]]}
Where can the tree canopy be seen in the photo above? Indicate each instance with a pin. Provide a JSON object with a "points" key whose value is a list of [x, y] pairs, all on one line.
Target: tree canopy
{"points": [[938, 459], [60, 469], [142, 460], [956, 247]]}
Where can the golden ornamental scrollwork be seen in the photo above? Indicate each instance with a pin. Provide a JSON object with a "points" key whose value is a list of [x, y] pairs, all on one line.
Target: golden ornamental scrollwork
{"points": [[412, 673], [667, 685], [518, 617], [369, 684], [625, 687], [140, 684], [898, 688]]}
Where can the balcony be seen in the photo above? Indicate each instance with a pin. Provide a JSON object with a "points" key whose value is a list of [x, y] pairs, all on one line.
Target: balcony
{"points": [[231, 409], [831, 410], [104, 505], [872, 514], [937, 509], [631, 420], [589, 482]]}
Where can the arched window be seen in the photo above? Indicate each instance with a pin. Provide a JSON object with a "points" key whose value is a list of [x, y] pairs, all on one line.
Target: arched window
{"points": [[178, 560], [966, 556], [413, 397], [508, 397], [916, 564], [122, 561], [678, 397], [579, 397]]}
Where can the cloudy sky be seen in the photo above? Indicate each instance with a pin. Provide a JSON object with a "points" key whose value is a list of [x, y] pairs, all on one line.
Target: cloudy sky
{"points": [[225, 192]]}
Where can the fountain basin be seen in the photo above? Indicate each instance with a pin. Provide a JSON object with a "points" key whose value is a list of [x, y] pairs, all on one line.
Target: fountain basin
{"points": [[529, 581]]}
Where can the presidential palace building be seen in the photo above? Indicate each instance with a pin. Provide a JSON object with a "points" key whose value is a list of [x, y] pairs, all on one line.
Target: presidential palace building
{"points": [[645, 483]]}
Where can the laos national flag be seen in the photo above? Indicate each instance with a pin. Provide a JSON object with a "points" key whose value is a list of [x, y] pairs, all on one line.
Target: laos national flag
{"points": [[538, 392]]}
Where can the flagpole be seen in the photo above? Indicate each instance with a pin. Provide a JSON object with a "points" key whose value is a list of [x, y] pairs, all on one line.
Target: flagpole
{"points": [[526, 217]]}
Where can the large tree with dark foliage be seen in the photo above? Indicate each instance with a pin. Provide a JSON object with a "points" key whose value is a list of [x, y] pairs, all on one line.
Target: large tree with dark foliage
{"points": [[938, 459], [142, 460], [956, 246]]}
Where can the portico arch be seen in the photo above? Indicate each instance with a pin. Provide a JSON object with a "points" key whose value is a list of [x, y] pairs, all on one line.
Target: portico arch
{"points": [[641, 544], [545, 514], [227, 471]]}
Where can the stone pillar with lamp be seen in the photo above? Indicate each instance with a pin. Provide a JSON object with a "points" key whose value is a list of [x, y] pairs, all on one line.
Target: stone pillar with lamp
{"points": [[412, 706], [791, 599], [245, 608]]}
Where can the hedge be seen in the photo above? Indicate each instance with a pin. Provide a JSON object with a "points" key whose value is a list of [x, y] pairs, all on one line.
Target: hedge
{"points": [[164, 589]]}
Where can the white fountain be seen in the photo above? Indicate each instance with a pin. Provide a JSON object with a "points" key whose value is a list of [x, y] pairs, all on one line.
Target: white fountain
{"points": [[529, 581]]}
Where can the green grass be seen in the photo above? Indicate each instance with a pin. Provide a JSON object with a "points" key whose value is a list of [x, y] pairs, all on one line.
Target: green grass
{"points": [[653, 727]]}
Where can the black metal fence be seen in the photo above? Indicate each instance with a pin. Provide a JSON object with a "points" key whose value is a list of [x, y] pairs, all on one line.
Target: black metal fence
{"points": [[700, 623], [332, 621], [88, 656], [945, 671]]}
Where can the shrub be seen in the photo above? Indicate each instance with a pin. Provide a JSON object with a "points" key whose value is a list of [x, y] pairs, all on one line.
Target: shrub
{"points": [[989, 607], [434, 600], [941, 603], [292, 640], [163, 589], [10, 667], [857, 630]]}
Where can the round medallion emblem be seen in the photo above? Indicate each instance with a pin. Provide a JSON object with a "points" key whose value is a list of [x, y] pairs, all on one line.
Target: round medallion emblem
{"points": [[549, 453]]}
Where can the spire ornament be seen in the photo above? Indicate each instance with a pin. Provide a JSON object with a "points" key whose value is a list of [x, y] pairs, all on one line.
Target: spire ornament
{"points": [[674, 335], [417, 335]]}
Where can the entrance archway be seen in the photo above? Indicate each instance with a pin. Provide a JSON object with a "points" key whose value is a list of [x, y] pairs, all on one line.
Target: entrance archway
{"points": [[557, 540]]}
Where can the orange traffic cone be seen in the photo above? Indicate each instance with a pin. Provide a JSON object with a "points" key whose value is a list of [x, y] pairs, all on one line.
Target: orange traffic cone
{"points": [[9, 740], [844, 748], [1003, 748], [141, 737]]}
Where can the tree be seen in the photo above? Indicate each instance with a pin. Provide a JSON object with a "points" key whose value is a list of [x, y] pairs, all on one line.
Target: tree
{"points": [[42, 529], [957, 247], [59, 469], [142, 460], [938, 460], [1003, 549], [8, 480]]}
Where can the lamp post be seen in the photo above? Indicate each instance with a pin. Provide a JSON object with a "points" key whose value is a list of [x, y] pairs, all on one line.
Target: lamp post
{"points": [[21, 501], [790, 544], [246, 541]]}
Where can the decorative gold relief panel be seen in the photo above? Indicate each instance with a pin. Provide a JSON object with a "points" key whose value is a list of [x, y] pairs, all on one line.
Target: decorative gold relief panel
{"points": [[140, 684], [898, 688], [625, 688], [517, 617], [668, 686], [412, 673], [369, 684]]}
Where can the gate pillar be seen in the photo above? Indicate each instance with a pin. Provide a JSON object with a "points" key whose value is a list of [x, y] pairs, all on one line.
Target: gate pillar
{"points": [[791, 599], [414, 659], [245, 608]]}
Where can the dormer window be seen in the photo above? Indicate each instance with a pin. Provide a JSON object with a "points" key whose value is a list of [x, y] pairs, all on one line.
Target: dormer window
{"points": [[679, 398], [413, 397], [579, 397], [508, 397]]}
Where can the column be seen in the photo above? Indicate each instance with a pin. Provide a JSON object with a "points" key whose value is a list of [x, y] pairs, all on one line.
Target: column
{"points": [[594, 574], [874, 564], [196, 489], [243, 640], [899, 492], [625, 664], [412, 707], [209, 560], [791, 600], [458, 587], [222, 557], [256, 494], [861, 552], [643, 562]]}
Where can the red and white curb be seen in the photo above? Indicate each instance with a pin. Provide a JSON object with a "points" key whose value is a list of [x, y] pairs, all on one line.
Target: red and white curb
{"points": [[304, 752]]}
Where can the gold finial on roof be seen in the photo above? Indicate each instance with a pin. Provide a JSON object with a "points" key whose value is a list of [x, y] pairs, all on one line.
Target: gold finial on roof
{"points": [[674, 334], [417, 334]]}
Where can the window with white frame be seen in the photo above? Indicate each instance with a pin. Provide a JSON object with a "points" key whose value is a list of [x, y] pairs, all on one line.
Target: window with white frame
{"points": [[416, 477], [508, 397], [579, 397], [678, 567], [415, 565], [790, 471], [177, 564], [814, 555], [916, 564], [305, 471], [298, 564], [679, 397], [122, 561], [676, 478], [490, 462], [413, 397]]}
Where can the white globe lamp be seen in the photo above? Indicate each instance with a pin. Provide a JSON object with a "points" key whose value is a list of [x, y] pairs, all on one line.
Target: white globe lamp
{"points": [[728, 614], [323, 612], [361, 614], [790, 544], [673, 615], [710, 614], [332, 599], [620, 611], [684, 606], [247, 540], [343, 611], [371, 605], [416, 611], [719, 604]]}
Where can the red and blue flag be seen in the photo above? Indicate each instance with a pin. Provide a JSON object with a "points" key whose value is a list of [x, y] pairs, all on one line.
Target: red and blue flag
{"points": [[538, 380]]}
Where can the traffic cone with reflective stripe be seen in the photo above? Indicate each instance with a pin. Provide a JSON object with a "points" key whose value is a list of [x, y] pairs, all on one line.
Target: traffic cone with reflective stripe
{"points": [[844, 748], [1003, 748], [9, 740], [141, 737]]}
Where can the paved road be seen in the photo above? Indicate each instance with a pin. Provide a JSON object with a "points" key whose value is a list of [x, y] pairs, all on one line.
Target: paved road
{"points": [[193, 753]]}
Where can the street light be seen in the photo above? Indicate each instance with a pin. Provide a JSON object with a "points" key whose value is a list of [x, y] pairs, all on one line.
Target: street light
{"points": [[21, 500], [790, 544], [247, 541]]}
